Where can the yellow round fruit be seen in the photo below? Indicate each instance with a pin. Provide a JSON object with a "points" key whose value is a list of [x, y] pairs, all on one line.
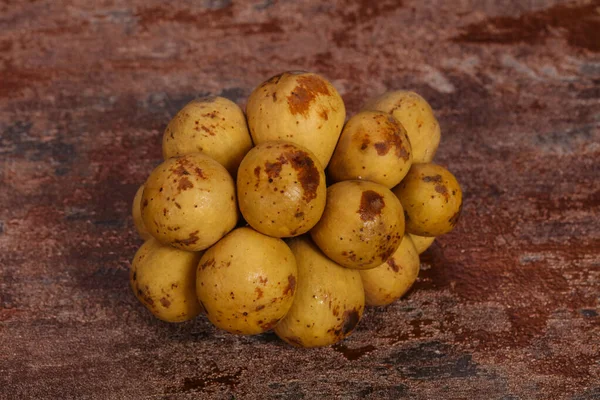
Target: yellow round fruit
{"points": [[189, 202], [329, 300], [392, 279], [362, 224], [416, 115], [373, 147], [246, 282], [164, 280], [299, 107], [214, 126], [281, 189], [432, 200]]}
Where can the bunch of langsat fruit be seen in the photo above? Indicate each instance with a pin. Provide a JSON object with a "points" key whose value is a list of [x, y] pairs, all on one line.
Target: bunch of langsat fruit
{"points": [[325, 209]]}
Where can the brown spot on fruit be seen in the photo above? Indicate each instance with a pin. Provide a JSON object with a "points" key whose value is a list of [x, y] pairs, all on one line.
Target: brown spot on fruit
{"points": [[441, 189], [308, 174], [274, 80], [392, 263], [382, 148], [145, 203], [200, 173], [165, 302], [259, 293], [180, 170], [307, 89], [257, 172], [205, 129], [371, 204], [403, 153], [392, 134], [454, 219], [192, 238], [299, 214], [352, 256], [145, 297], [274, 169], [351, 319], [294, 341], [274, 97], [212, 114], [208, 263], [184, 184], [269, 325], [263, 280], [291, 287], [365, 142], [258, 308], [435, 178], [387, 253], [336, 310], [324, 115]]}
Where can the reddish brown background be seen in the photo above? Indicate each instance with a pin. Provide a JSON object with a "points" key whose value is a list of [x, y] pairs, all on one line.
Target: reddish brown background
{"points": [[506, 306]]}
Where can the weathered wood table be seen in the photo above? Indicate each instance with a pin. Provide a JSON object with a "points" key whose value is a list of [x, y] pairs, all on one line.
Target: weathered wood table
{"points": [[506, 306]]}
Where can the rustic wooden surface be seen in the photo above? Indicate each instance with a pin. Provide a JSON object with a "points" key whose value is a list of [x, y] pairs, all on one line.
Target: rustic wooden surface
{"points": [[506, 306]]}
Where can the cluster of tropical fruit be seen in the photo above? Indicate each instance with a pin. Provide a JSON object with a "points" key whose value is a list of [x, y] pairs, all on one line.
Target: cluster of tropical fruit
{"points": [[288, 217]]}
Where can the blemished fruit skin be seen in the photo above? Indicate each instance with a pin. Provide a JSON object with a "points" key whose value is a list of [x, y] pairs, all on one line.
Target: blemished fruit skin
{"points": [[215, 126], [416, 115], [281, 189], [163, 279], [431, 198], [299, 107], [329, 300], [392, 279], [189, 202], [247, 282], [362, 225], [373, 147], [284, 216], [136, 212]]}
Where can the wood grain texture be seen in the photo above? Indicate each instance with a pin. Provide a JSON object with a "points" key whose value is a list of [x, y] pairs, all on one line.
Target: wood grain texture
{"points": [[506, 306]]}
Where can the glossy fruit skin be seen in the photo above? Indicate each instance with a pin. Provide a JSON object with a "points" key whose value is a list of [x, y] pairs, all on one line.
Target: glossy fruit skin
{"points": [[432, 200], [189, 202], [281, 189], [214, 126], [392, 279], [417, 117], [329, 300], [299, 107], [246, 282], [163, 279], [374, 147], [362, 225]]}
